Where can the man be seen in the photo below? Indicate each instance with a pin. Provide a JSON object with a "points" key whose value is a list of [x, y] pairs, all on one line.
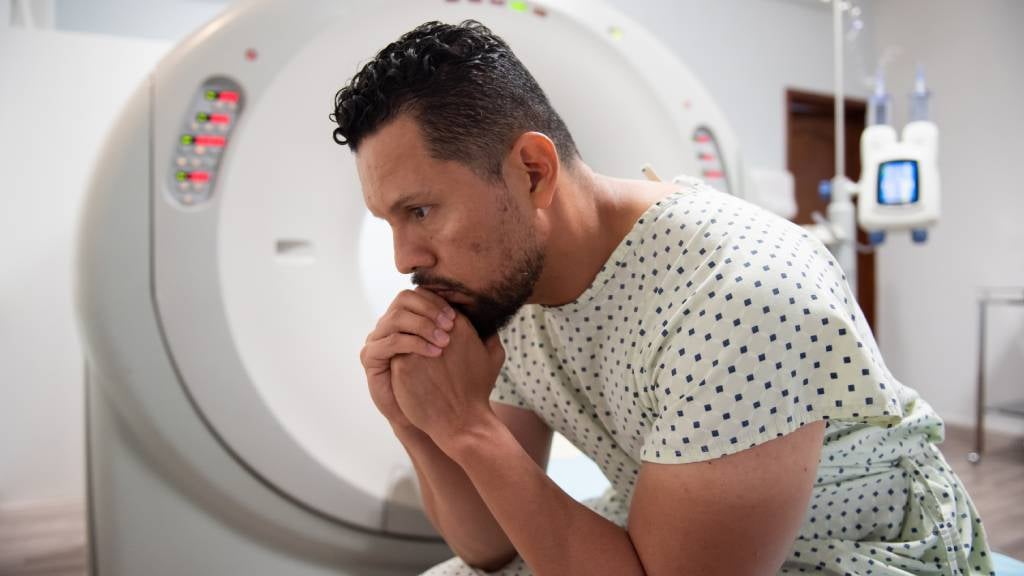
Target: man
{"points": [[707, 355]]}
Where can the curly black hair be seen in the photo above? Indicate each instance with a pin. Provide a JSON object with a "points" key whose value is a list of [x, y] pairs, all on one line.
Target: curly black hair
{"points": [[469, 94]]}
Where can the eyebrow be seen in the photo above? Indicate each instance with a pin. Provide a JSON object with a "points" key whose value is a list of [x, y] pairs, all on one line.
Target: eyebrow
{"points": [[406, 199]]}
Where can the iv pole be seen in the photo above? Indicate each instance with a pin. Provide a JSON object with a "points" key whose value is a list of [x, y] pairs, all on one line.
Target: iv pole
{"points": [[841, 210]]}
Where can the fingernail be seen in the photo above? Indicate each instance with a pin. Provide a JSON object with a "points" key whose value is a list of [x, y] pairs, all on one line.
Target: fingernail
{"points": [[444, 321], [441, 336], [433, 349], [449, 312]]}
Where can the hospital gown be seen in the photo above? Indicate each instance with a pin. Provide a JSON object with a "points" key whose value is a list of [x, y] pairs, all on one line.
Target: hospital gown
{"points": [[714, 327]]}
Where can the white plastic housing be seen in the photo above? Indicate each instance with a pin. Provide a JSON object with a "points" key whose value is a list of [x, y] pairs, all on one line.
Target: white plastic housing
{"points": [[879, 146]]}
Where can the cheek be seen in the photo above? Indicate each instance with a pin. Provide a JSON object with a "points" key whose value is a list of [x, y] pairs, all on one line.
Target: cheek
{"points": [[472, 241], [476, 262], [471, 246]]}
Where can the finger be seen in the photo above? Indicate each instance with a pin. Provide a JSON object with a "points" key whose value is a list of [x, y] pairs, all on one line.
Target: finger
{"points": [[378, 354], [436, 299], [465, 328], [405, 321], [426, 304]]}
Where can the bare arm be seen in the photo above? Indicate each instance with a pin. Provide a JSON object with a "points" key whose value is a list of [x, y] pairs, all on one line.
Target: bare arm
{"points": [[452, 502], [684, 519]]}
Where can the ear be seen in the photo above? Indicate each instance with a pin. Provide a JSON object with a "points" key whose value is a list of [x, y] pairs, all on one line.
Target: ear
{"points": [[535, 157]]}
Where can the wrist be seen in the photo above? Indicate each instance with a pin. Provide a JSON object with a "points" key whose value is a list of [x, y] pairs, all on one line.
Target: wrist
{"points": [[476, 439]]}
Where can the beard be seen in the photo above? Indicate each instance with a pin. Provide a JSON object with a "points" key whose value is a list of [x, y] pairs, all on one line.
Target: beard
{"points": [[492, 309]]}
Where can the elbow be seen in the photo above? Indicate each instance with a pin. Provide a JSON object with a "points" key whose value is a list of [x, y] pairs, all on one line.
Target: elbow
{"points": [[488, 561]]}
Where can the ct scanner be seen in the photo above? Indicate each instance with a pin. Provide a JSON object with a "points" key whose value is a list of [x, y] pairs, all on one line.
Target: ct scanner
{"points": [[228, 273]]}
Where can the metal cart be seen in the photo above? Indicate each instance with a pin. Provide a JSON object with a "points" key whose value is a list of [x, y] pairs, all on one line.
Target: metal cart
{"points": [[989, 297]]}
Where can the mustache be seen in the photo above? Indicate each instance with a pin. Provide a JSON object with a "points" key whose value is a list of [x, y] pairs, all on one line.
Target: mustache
{"points": [[437, 282]]}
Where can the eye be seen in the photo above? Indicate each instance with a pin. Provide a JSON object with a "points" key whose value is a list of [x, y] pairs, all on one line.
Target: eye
{"points": [[419, 212]]}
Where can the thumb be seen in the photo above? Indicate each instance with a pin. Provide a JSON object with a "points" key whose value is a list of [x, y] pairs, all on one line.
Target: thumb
{"points": [[495, 350]]}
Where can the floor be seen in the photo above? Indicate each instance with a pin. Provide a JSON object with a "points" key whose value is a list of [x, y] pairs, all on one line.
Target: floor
{"points": [[50, 540], [996, 484], [43, 540]]}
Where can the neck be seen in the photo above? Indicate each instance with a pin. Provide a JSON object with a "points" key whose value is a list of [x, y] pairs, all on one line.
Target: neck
{"points": [[588, 218]]}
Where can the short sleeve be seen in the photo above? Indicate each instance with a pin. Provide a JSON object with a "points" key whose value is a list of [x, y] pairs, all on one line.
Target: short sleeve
{"points": [[505, 392], [750, 359]]}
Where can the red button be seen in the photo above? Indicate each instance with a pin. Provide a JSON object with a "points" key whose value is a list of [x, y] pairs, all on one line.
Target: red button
{"points": [[228, 96], [211, 141]]}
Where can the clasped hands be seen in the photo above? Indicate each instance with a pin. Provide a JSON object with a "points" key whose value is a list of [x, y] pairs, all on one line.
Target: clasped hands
{"points": [[427, 368]]}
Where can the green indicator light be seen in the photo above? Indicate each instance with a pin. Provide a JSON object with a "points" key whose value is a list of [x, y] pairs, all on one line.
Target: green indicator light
{"points": [[181, 176], [211, 95], [202, 117], [518, 6], [186, 139]]}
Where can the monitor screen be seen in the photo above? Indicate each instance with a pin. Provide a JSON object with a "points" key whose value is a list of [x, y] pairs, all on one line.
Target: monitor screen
{"points": [[898, 182]]}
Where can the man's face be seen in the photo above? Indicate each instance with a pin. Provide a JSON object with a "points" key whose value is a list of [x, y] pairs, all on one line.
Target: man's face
{"points": [[470, 240]]}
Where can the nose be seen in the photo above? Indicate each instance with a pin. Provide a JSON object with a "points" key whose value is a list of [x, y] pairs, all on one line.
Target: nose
{"points": [[411, 254]]}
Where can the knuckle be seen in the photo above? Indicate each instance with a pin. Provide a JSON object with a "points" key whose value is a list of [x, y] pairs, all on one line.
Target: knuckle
{"points": [[395, 303], [400, 364], [428, 326]]}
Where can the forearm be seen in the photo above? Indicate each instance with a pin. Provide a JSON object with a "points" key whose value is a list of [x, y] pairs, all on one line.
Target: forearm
{"points": [[553, 533], [453, 504]]}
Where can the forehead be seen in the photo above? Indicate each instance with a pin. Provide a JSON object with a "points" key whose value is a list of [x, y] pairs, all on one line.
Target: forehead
{"points": [[395, 165], [387, 160]]}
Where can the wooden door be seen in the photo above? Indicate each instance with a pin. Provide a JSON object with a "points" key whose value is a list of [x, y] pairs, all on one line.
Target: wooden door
{"points": [[810, 156]]}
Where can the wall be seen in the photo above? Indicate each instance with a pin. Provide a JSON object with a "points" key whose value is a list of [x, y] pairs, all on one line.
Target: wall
{"points": [[972, 52], [748, 52], [154, 19], [60, 93]]}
